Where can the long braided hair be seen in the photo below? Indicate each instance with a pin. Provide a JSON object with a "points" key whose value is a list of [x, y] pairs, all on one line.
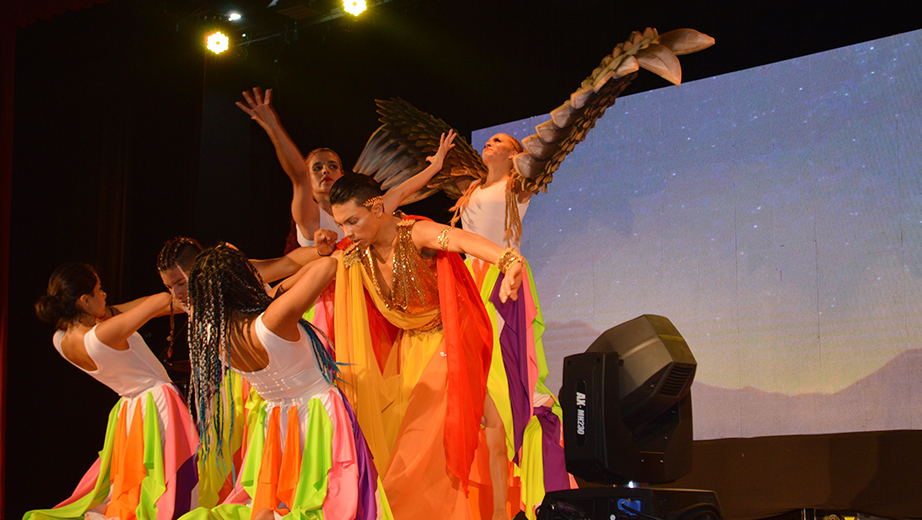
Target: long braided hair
{"points": [[221, 283]]}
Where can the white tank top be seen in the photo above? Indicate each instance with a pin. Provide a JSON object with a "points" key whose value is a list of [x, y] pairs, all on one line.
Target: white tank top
{"points": [[326, 222], [130, 373], [292, 374], [485, 214]]}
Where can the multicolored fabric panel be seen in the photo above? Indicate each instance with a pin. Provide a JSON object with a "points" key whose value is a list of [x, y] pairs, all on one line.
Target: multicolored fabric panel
{"points": [[142, 472], [517, 373], [218, 468], [329, 475]]}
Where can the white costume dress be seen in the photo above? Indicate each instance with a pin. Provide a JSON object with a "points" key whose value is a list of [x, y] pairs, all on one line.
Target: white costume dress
{"points": [[531, 417], [147, 464], [485, 214], [305, 454]]}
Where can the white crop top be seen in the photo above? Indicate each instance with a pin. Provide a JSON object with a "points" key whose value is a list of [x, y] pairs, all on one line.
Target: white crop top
{"points": [[292, 373]]}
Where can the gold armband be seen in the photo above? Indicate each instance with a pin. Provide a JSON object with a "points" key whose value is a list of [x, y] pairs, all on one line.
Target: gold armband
{"points": [[443, 239], [510, 256]]}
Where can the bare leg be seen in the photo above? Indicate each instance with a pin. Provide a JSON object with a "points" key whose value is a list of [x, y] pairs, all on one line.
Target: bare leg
{"points": [[495, 433]]}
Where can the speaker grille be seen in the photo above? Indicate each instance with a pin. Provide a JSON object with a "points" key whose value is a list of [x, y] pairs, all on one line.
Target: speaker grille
{"points": [[677, 381]]}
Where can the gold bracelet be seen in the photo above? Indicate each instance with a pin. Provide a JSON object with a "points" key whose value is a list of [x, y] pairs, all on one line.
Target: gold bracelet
{"points": [[510, 256], [443, 239]]}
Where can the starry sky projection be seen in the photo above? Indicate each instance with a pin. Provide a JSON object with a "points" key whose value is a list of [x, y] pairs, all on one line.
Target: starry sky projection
{"points": [[773, 214]]}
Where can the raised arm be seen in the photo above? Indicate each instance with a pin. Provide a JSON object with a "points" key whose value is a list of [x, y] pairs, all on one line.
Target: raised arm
{"points": [[439, 237], [396, 195], [284, 312], [284, 266], [115, 330], [304, 209]]}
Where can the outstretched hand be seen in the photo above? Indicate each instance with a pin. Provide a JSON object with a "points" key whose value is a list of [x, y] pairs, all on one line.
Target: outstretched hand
{"points": [[511, 282], [446, 142], [259, 108]]}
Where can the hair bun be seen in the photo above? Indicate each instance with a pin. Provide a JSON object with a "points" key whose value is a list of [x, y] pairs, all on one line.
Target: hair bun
{"points": [[49, 308]]}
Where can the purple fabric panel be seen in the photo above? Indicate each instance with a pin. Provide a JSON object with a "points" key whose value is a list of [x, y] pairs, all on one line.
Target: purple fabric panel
{"points": [[186, 480], [368, 473], [555, 464], [513, 344]]}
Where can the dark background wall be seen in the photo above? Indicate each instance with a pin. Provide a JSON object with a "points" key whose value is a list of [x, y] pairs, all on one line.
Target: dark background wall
{"points": [[126, 135]]}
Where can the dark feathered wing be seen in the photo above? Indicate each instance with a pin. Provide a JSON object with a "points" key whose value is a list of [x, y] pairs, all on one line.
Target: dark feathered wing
{"points": [[397, 150]]}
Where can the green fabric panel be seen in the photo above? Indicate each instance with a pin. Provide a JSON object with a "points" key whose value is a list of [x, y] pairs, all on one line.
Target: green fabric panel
{"points": [[254, 456], [76, 509], [316, 461], [386, 513], [154, 484], [219, 512], [532, 467]]}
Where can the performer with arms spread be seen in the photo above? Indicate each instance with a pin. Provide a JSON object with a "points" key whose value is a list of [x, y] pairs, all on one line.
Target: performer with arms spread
{"points": [[146, 467], [414, 343]]}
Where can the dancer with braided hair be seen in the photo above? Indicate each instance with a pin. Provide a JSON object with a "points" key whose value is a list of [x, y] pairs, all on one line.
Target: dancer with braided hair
{"points": [[306, 454], [415, 341], [146, 468], [217, 469]]}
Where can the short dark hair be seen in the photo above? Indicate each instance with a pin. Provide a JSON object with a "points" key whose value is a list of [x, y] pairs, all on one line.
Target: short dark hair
{"points": [[355, 187]]}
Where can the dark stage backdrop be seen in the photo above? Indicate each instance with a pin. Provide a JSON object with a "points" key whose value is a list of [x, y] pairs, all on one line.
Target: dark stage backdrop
{"points": [[126, 135], [106, 160]]}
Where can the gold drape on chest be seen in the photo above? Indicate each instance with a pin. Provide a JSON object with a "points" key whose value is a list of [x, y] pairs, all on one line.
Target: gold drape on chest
{"points": [[414, 284]]}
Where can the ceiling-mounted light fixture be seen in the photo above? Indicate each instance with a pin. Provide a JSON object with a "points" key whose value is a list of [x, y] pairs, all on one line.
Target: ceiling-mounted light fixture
{"points": [[354, 7], [217, 42]]}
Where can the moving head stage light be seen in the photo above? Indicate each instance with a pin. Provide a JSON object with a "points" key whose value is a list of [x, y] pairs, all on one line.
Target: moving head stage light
{"points": [[627, 417]]}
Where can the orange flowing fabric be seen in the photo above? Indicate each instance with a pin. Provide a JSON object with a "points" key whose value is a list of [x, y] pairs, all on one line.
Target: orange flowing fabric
{"points": [[129, 466], [418, 396], [268, 481]]}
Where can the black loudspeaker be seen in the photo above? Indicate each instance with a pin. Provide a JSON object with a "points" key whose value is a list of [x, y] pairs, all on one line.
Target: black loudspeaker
{"points": [[624, 503]]}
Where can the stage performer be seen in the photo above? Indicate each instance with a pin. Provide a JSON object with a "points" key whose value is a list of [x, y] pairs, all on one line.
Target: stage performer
{"points": [[217, 470], [414, 343], [312, 177], [146, 468], [524, 423], [306, 455]]}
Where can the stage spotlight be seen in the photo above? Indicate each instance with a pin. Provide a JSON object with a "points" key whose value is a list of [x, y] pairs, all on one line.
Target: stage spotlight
{"points": [[627, 418], [233, 16], [354, 7], [217, 42]]}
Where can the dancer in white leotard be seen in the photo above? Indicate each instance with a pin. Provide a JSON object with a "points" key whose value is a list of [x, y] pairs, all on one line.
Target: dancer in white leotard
{"points": [[124, 482], [305, 453]]}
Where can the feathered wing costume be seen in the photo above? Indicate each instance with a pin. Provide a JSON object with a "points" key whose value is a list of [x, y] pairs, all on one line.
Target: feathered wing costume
{"points": [[397, 150]]}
